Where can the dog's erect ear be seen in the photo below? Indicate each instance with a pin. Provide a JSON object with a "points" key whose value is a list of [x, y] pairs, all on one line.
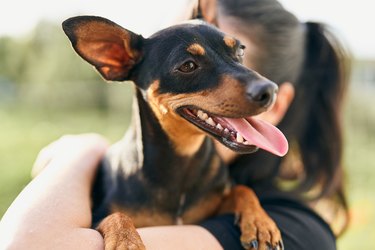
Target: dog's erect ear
{"points": [[112, 49], [206, 10]]}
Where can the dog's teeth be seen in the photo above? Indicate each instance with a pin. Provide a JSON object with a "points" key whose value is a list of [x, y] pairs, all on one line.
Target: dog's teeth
{"points": [[239, 138], [218, 126], [246, 143], [201, 115], [210, 121], [226, 130]]}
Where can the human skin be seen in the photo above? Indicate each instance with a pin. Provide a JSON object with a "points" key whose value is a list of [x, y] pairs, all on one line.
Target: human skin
{"points": [[54, 209]]}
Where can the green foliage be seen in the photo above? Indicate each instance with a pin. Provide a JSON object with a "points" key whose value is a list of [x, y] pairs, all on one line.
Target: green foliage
{"points": [[48, 73], [42, 57]]}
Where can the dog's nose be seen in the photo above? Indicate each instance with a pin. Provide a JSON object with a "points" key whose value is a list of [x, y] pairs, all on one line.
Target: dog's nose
{"points": [[262, 92]]}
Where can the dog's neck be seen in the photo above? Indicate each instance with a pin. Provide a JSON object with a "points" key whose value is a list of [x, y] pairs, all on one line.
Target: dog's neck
{"points": [[146, 159], [185, 137], [155, 153]]}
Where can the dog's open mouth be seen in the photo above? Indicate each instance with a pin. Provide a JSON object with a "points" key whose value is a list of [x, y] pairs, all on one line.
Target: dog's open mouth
{"points": [[243, 135]]}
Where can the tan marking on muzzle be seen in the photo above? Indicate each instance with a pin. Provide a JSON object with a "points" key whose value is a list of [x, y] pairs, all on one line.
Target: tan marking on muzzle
{"points": [[227, 99]]}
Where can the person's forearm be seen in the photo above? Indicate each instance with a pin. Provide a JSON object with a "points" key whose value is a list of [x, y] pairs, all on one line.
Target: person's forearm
{"points": [[178, 237], [54, 209]]}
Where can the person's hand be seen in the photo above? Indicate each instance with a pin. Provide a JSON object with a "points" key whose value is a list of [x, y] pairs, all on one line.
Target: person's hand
{"points": [[84, 147]]}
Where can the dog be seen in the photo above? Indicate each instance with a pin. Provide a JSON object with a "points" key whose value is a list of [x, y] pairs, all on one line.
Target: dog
{"points": [[190, 89]]}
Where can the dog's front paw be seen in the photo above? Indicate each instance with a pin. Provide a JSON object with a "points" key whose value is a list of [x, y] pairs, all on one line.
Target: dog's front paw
{"points": [[259, 231], [119, 233]]}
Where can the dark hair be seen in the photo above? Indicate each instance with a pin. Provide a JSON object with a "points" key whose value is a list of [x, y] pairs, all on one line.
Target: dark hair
{"points": [[312, 59]]}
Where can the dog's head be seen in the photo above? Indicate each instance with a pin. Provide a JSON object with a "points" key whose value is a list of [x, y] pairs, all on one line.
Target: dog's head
{"points": [[190, 74]]}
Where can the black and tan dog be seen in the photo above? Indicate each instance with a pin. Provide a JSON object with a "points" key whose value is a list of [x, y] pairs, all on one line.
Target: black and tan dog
{"points": [[190, 87]]}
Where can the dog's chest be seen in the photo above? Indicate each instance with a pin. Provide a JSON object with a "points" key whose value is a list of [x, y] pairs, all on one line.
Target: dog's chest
{"points": [[153, 216], [180, 198]]}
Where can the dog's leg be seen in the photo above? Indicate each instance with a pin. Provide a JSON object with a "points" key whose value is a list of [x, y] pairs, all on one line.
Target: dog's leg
{"points": [[258, 230], [119, 233]]}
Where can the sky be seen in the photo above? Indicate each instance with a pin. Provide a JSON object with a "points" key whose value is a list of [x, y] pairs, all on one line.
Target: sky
{"points": [[351, 21]]}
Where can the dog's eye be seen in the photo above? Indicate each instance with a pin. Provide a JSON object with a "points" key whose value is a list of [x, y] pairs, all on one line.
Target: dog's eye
{"points": [[188, 67]]}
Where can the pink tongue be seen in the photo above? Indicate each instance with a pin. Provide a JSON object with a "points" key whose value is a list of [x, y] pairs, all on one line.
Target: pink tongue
{"points": [[261, 134]]}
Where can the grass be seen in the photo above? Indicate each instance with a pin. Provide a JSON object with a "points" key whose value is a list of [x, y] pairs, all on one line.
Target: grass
{"points": [[24, 131]]}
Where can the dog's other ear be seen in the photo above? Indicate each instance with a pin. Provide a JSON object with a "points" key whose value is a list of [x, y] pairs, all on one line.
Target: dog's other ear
{"points": [[206, 10], [112, 49]]}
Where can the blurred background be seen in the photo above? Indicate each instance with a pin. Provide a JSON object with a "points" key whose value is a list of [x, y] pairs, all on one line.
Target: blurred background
{"points": [[46, 91]]}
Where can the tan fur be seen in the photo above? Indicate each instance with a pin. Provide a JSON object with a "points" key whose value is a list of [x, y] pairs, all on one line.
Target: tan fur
{"points": [[145, 218], [113, 33], [205, 208], [230, 41], [196, 49], [253, 220], [108, 48], [209, 10], [186, 137], [225, 100], [119, 232]]}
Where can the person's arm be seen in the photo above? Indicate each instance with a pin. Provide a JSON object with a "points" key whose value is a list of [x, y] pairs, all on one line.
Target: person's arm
{"points": [[53, 211], [187, 237]]}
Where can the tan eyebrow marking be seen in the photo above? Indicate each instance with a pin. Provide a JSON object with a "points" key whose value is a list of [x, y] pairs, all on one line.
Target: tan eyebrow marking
{"points": [[229, 41], [196, 49]]}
